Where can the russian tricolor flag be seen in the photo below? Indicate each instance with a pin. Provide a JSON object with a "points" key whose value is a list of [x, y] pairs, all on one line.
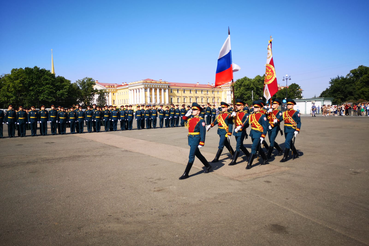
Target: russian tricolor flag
{"points": [[224, 69]]}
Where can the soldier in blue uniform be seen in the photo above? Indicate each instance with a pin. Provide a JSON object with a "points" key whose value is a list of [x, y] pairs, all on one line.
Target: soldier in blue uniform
{"points": [[154, 116], [240, 117], [167, 116], [97, 119], [223, 131], [130, 117], [182, 113], [126, 117], [43, 118], [21, 121], [10, 119], [274, 117], [72, 117], [81, 119], [147, 117], [32, 119], [213, 113], [196, 139], [57, 120], [53, 116], [246, 108], [1, 122], [106, 118], [259, 128], [93, 120], [202, 114], [292, 126], [62, 118], [176, 116], [122, 118], [89, 116], [114, 118], [161, 113], [208, 114], [171, 115], [138, 116]]}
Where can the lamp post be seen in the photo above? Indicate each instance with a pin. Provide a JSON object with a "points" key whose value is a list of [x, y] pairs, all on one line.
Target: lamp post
{"points": [[286, 78]]}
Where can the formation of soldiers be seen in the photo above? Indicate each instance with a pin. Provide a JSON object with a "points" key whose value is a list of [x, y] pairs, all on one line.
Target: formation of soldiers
{"points": [[261, 122], [92, 119]]}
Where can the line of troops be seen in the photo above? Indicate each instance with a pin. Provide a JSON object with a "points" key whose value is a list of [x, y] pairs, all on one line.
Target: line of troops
{"points": [[261, 122], [146, 116]]}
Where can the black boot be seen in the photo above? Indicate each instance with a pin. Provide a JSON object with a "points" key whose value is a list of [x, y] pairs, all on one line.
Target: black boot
{"points": [[216, 159], [262, 153], [249, 164], [285, 156], [187, 170], [244, 150], [203, 160], [295, 154], [269, 154], [229, 147], [280, 151], [235, 156], [266, 145]]}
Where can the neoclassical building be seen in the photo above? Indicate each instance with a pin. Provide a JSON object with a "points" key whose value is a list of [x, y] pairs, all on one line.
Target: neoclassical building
{"points": [[149, 91]]}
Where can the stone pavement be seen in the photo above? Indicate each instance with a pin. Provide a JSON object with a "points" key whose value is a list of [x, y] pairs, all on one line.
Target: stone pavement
{"points": [[122, 188]]}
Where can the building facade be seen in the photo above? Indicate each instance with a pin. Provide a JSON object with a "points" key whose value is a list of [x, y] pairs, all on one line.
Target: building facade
{"points": [[149, 91]]}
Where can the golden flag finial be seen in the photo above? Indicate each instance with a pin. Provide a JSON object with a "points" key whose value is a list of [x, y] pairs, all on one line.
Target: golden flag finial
{"points": [[270, 40], [52, 62]]}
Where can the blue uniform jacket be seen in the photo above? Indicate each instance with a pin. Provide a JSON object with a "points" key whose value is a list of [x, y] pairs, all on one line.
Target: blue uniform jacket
{"points": [[53, 115]]}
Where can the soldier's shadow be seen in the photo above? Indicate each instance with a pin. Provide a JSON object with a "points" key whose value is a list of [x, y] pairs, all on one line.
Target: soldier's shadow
{"points": [[214, 166]]}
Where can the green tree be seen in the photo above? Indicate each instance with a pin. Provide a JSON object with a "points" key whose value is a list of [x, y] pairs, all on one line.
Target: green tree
{"points": [[293, 91], [86, 90], [101, 97], [245, 87]]}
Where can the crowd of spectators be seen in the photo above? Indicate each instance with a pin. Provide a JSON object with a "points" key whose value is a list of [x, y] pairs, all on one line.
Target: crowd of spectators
{"points": [[348, 109]]}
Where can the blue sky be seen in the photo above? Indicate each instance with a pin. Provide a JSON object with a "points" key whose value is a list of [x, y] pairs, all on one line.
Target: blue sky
{"points": [[179, 41]]}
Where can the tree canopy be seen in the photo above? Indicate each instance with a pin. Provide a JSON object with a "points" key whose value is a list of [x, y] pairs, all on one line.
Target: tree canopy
{"points": [[353, 87], [35, 87]]}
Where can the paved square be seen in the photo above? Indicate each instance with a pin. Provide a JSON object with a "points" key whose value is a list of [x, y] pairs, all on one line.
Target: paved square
{"points": [[122, 188]]}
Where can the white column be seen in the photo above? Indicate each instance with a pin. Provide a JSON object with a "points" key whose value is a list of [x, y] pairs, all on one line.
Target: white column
{"points": [[129, 96], [148, 95], [158, 96], [153, 96], [162, 95], [142, 96], [167, 95], [136, 96]]}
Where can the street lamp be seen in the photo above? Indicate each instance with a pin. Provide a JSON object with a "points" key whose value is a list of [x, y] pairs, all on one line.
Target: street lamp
{"points": [[286, 78]]}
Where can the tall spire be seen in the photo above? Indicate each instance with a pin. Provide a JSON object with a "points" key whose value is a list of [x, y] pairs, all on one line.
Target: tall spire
{"points": [[52, 62]]}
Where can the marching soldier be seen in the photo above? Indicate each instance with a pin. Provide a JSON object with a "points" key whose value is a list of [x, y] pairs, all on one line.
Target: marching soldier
{"points": [[106, 118], [97, 119], [161, 116], [130, 117], [196, 139], [171, 115], [138, 116], [1, 122], [240, 117], [43, 118], [122, 118], [32, 119], [259, 127], [167, 116], [72, 116], [62, 118], [53, 115], [21, 121], [176, 116], [147, 116], [89, 116], [208, 114], [274, 117], [81, 119], [292, 125], [182, 113], [223, 131], [154, 115]]}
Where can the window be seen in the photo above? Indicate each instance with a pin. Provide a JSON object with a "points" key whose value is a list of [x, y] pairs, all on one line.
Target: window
{"points": [[201, 91], [190, 99], [113, 101], [113, 94], [195, 91], [177, 99], [190, 91], [177, 90], [213, 92], [218, 92], [202, 100], [171, 90], [184, 99], [171, 100], [184, 91]]}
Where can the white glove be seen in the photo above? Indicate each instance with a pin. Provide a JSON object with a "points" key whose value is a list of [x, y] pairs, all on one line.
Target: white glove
{"points": [[261, 139], [229, 138], [17, 123], [237, 129], [189, 112], [7, 123], [57, 121], [270, 110], [3, 123], [275, 121], [233, 114], [295, 133], [200, 146], [208, 127], [48, 121], [270, 127], [39, 122]]}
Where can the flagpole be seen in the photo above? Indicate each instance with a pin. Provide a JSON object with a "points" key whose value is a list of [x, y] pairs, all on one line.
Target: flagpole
{"points": [[232, 85]]}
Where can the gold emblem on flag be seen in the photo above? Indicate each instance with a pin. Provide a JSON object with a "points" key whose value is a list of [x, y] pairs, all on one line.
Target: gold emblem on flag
{"points": [[269, 74]]}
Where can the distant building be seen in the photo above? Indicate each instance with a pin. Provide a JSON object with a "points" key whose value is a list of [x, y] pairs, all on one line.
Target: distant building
{"points": [[304, 105], [149, 91]]}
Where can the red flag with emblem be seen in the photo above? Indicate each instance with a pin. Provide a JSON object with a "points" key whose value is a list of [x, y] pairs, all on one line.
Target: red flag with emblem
{"points": [[270, 79]]}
